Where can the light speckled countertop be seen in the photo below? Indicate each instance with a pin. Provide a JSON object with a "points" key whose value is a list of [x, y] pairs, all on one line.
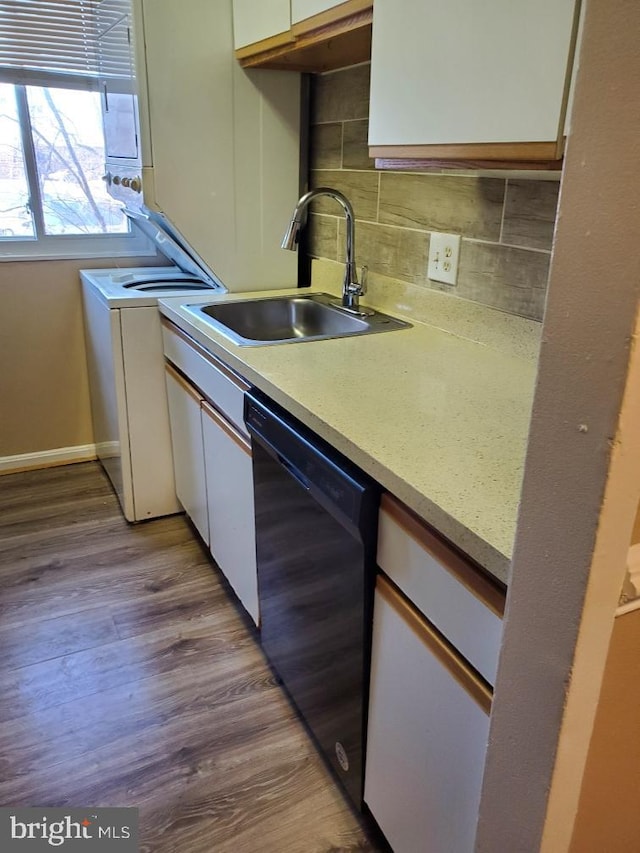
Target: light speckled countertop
{"points": [[438, 419]]}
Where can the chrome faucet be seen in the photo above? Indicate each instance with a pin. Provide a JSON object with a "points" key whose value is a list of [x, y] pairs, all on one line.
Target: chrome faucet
{"points": [[352, 289]]}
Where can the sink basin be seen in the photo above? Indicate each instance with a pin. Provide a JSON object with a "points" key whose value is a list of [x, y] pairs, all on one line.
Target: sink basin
{"points": [[286, 319]]}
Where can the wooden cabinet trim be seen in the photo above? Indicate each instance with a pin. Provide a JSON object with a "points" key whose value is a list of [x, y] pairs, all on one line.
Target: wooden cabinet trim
{"points": [[482, 151], [416, 165], [242, 442], [466, 678], [219, 365], [332, 39], [320, 51], [182, 382], [468, 575], [265, 45]]}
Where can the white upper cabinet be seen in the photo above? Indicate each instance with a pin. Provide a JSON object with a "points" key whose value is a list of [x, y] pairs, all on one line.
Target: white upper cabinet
{"points": [[469, 73], [254, 22], [303, 9]]}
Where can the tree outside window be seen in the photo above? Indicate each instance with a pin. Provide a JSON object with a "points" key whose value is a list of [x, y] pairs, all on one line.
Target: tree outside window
{"points": [[51, 165]]}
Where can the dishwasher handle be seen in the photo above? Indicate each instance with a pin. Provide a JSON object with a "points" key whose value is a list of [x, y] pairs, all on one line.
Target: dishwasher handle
{"points": [[297, 475], [344, 490]]}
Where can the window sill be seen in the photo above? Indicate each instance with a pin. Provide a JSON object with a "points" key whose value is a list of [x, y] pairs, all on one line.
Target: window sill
{"points": [[77, 248]]}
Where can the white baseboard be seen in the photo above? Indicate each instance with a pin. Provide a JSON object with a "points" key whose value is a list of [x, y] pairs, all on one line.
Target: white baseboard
{"points": [[47, 458]]}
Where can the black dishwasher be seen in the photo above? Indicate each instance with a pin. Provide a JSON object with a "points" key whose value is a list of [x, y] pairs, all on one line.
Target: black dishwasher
{"points": [[316, 525]]}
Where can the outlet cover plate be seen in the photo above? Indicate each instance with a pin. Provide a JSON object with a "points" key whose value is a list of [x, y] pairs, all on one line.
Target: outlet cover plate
{"points": [[444, 254]]}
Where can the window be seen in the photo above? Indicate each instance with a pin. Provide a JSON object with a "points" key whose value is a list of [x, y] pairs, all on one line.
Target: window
{"points": [[51, 165], [53, 199]]}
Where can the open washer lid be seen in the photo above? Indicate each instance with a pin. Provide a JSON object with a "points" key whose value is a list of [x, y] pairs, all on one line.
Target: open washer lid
{"points": [[168, 240]]}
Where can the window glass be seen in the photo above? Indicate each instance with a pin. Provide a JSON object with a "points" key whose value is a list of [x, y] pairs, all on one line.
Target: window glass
{"points": [[16, 221], [68, 141]]}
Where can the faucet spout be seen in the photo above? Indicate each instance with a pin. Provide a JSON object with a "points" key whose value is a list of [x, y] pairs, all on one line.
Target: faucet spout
{"points": [[291, 236], [352, 289]]}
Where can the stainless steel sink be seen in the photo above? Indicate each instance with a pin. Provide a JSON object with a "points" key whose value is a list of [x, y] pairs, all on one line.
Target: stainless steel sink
{"points": [[286, 319]]}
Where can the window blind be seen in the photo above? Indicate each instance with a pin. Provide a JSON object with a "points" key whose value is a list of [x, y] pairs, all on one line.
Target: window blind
{"points": [[55, 42]]}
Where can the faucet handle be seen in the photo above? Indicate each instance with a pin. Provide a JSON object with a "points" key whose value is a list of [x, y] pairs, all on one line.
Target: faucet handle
{"points": [[354, 286], [364, 273]]}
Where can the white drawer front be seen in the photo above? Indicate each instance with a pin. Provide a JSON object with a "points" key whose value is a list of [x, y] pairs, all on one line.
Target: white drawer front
{"points": [[217, 383], [473, 627]]}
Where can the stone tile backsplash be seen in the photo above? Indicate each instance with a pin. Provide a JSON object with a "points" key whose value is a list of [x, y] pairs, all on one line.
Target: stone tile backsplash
{"points": [[506, 224], [469, 206]]}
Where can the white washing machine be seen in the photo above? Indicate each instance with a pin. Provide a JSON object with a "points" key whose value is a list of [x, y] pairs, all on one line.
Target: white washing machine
{"points": [[126, 367]]}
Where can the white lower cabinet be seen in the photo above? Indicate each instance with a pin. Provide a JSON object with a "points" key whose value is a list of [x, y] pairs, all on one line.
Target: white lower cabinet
{"points": [[427, 733], [188, 451], [212, 458], [453, 594], [229, 476]]}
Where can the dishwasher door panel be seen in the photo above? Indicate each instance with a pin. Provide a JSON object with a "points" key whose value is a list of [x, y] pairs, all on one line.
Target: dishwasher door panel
{"points": [[313, 585]]}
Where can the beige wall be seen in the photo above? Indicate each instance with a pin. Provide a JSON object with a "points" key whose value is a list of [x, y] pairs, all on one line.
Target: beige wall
{"points": [[44, 390], [635, 536], [506, 222], [608, 817]]}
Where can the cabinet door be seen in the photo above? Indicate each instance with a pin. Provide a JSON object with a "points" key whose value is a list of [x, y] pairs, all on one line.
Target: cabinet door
{"points": [[253, 21], [302, 9], [188, 452], [427, 734], [487, 73], [231, 506]]}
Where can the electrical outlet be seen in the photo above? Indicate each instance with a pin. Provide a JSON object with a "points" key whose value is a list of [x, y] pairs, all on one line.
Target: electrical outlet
{"points": [[444, 253]]}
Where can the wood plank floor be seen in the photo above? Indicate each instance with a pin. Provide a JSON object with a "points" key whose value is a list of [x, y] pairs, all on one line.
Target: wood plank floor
{"points": [[128, 678]]}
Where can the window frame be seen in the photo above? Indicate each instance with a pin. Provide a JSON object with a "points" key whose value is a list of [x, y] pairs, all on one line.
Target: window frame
{"points": [[43, 246]]}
